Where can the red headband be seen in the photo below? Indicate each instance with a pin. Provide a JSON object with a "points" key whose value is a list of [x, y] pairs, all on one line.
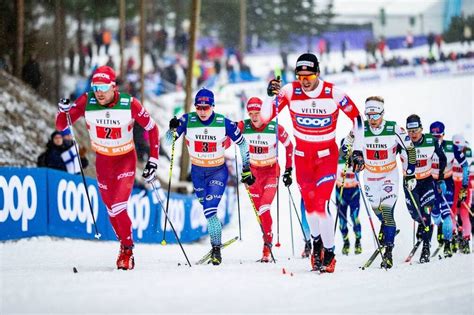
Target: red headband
{"points": [[254, 104]]}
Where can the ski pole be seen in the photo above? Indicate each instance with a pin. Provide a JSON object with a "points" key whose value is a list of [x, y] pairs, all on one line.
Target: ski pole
{"points": [[237, 190], [69, 123], [341, 191], [259, 222], [415, 204], [291, 229], [277, 175], [155, 190], [379, 247], [297, 215], [163, 241]]}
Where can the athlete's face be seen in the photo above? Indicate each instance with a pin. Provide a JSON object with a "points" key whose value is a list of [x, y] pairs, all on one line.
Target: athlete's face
{"points": [[104, 93], [415, 134], [309, 80], [204, 111], [256, 118], [375, 119]]}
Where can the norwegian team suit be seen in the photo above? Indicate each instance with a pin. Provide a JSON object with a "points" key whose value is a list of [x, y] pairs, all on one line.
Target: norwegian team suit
{"points": [[206, 143], [111, 133], [262, 149], [425, 186], [461, 178], [314, 116]]}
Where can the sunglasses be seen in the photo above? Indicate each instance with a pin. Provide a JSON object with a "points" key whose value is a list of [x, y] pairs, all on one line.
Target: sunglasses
{"points": [[374, 116], [101, 87], [203, 108], [415, 130], [308, 77]]}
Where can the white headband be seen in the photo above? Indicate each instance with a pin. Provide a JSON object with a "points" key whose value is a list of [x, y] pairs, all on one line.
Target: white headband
{"points": [[373, 106]]}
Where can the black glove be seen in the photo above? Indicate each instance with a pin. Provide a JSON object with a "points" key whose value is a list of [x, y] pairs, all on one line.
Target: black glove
{"points": [[357, 161], [247, 176], [273, 87], [149, 171], [174, 123], [410, 182], [287, 180]]}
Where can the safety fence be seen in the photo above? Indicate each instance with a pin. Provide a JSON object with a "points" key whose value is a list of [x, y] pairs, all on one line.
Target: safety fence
{"points": [[46, 202]]}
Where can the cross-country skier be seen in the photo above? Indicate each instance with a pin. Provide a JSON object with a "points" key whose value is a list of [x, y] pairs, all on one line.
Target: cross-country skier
{"points": [[314, 107], [262, 147], [382, 138], [421, 200], [206, 133], [350, 198], [110, 116], [444, 190], [462, 195]]}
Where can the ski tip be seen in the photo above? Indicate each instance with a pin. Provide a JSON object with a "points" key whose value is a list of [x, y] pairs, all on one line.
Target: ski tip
{"points": [[277, 244], [97, 235], [163, 242], [74, 269]]}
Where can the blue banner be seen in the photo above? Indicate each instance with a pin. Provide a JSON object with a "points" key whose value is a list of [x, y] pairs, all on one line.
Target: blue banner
{"points": [[50, 202]]}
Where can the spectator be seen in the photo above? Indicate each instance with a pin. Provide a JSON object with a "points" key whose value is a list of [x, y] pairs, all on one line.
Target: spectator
{"points": [[106, 40], [467, 35], [72, 55], [344, 48], [381, 47], [31, 73], [51, 158], [322, 47], [110, 62], [69, 154], [409, 40], [90, 52], [5, 63], [430, 40], [439, 41], [98, 41]]}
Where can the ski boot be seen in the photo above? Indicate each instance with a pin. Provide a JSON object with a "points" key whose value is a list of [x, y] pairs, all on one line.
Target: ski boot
{"points": [[346, 247], [357, 247], [447, 249], [125, 260], [425, 253], [329, 261], [465, 247], [317, 255], [387, 261], [455, 243], [307, 249], [216, 257], [267, 256]]}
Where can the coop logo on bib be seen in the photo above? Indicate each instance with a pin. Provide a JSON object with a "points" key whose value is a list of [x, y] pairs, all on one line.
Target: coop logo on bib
{"points": [[313, 122]]}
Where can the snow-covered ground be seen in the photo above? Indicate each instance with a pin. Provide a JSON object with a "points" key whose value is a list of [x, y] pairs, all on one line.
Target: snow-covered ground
{"points": [[36, 275]]}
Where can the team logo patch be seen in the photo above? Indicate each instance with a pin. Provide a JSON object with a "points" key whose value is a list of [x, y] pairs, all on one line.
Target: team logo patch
{"points": [[205, 131], [298, 91], [407, 138], [344, 101], [326, 178], [388, 189], [314, 122], [327, 90], [107, 115]]}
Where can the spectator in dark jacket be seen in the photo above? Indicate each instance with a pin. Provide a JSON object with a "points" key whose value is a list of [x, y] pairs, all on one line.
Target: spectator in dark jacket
{"points": [[51, 158], [31, 73]]}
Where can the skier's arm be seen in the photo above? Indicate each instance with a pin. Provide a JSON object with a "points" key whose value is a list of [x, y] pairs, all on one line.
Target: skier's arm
{"points": [[268, 111], [349, 108], [142, 117], [404, 142], [77, 110], [460, 157], [285, 140], [443, 161], [234, 133]]}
